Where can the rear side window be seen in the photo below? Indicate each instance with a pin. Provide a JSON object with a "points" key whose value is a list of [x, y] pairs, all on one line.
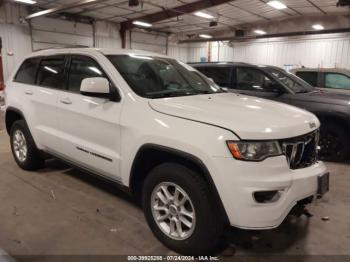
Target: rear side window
{"points": [[334, 80], [27, 72], [220, 75], [82, 67], [309, 77], [51, 72]]}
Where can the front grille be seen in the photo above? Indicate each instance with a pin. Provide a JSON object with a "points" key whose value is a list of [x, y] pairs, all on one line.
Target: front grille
{"points": [[301, 151]]}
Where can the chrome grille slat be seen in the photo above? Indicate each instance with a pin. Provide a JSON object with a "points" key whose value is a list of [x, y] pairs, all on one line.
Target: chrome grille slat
{"points": [[301, 151]]}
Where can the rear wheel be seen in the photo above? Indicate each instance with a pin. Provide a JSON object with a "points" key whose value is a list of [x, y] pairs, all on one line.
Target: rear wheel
{"points": [[180, 210], [334, 142], [26, 154]]}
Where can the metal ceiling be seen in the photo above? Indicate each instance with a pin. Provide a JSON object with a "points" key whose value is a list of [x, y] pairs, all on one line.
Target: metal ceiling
{"points": [[232, 14]]}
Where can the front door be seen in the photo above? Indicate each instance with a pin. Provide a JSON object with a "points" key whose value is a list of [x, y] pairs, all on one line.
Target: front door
{"points": [[89, 125], [254, 82]]}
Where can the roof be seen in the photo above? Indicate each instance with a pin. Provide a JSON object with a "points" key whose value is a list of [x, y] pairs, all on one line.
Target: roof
{"points": [[217, 64]]}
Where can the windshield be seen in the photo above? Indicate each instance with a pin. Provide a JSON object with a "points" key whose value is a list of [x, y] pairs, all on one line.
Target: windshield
{"points": [[157, 77], [291, 81]]}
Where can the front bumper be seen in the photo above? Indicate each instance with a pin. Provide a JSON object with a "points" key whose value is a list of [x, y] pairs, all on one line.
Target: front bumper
{"points": [[237, 181]]}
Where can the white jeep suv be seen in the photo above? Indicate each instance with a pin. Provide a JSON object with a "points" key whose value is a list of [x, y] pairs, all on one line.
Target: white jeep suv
{"points": [[199, 159]]}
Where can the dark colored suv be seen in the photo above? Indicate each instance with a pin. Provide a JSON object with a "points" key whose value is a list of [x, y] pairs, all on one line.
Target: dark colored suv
{"points": [[333, 109]]}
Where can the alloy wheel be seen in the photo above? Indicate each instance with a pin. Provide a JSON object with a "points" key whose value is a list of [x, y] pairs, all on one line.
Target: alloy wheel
{"points": [[173, 211]]}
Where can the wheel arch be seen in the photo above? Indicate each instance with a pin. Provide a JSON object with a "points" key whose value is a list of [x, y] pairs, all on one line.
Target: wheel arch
{"points": [[12, 114], [334, 117], [151, 155]]}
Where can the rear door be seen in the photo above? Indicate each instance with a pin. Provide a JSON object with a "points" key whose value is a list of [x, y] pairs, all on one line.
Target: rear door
{"points": [[89, 126], [38, 80]]}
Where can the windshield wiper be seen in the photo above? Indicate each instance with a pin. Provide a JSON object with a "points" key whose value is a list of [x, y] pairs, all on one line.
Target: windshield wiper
{"points": [[171, 94]]}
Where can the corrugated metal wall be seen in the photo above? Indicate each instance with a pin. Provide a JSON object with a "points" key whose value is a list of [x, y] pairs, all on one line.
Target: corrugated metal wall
{"points": [[107, 35], [15, 36], [148, 41], [331, 50], [16, 45]]}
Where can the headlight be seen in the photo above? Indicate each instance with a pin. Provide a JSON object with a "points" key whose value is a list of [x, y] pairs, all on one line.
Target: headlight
{"points": [[254, 151]]}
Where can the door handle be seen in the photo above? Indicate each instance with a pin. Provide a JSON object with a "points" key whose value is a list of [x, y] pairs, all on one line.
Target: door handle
{"points": [[66, 101], [28, 92]]}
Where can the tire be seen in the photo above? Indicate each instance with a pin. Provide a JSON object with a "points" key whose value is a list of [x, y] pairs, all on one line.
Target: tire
{"points": [[334, 142], [205, 235], [32, 159]]}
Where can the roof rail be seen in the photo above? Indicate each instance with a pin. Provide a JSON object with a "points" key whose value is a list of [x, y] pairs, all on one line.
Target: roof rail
{"points": [[62, 47]]}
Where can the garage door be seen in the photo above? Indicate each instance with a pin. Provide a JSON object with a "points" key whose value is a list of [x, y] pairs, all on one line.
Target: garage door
{"points": [[48, 32]]}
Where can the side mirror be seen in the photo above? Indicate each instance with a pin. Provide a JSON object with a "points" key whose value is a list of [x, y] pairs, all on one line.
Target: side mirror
{"points": [[95, 87]]}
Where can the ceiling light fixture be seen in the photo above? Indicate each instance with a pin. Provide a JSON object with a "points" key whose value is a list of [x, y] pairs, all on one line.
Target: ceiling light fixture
{"points": [[260, 32], [203, 15], [205, 36], [30, 2], [140, 23], [277, 5], [318, 27]]}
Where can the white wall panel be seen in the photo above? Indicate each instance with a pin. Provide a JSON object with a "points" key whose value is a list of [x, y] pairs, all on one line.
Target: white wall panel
{"points": [[15, 36], [179, 52], [107, 35], [311, 51], [149, 42], [16, 45]]}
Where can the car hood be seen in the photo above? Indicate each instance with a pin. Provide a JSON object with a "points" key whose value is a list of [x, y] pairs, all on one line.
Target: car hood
{"points": [[326, 96], [248, 117]]}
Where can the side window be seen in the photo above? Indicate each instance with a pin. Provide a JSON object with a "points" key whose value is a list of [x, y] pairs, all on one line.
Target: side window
{"points": [[308, 76], [27, 72], [220, 75], [51, 72], [251, 79], [335, 80], [82, 67]]}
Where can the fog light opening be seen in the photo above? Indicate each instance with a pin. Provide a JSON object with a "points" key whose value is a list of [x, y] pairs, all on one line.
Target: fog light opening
{"points": [[267, 196]]}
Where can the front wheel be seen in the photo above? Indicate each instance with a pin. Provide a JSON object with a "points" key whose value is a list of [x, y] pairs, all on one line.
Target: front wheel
{"points": [[334, 142], [180, 210], [24, 150]]}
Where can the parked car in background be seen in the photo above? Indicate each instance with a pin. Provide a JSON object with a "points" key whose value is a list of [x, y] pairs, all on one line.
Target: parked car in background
{"points": [[333, 109], [161, 131], [332, 78]]}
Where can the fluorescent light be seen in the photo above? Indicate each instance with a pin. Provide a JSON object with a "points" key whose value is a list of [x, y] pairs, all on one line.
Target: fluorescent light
{"points": [[205, 36], [204, 15], [26, 1], [140, 23], [318, 27], [260, 32], [277, 4]]}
